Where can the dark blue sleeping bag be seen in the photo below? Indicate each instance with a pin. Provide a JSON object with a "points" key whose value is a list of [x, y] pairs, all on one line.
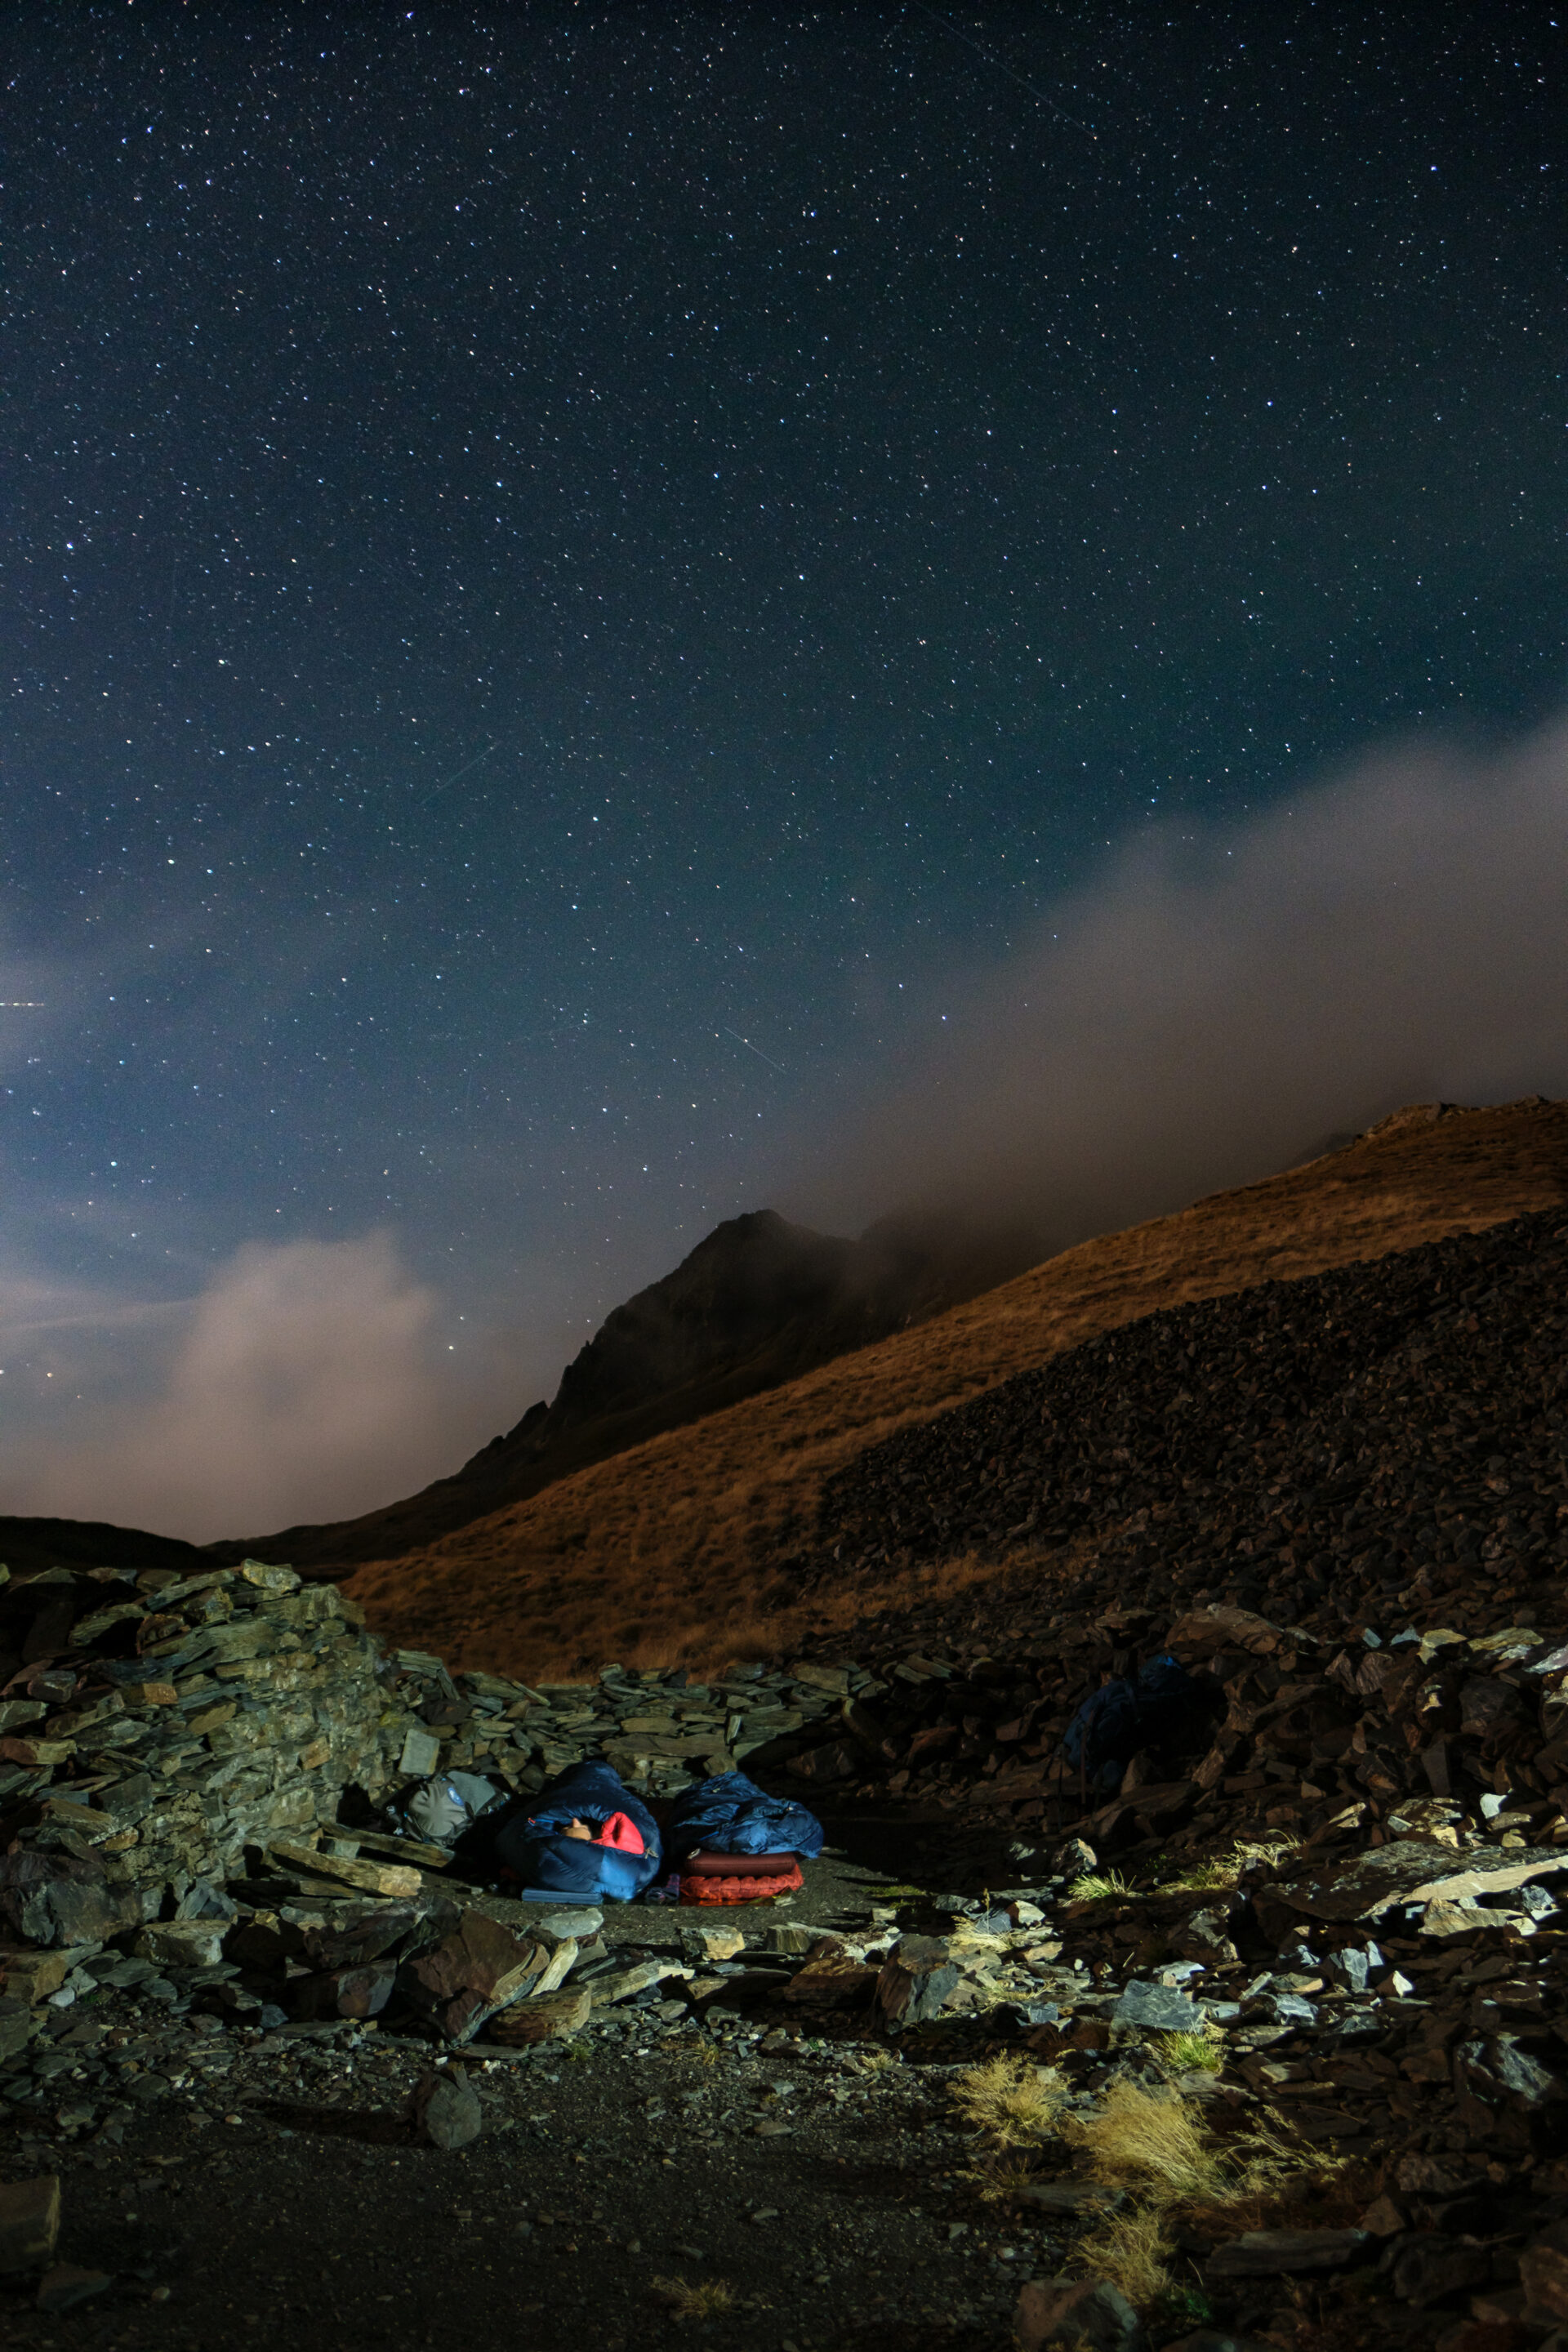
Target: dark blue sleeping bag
{"points": [[729, 1814], [1164, 1709], [531, 1840]]}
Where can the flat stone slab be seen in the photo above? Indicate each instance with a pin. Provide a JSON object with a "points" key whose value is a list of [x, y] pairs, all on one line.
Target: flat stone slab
{"points": [[1283, 2253], [1415, 1873], [29, 2221]]}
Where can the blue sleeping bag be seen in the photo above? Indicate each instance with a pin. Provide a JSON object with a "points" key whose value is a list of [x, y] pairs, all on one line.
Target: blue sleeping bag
{"points": [[532, 1843], [729, 1814]]}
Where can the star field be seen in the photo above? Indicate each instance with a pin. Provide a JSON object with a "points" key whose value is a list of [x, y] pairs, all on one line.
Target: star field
{"points": [[566, 568]]}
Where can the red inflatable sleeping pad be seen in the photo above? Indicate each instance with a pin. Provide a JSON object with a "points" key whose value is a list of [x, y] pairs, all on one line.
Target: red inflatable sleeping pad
{"points": [[738, 1877]]}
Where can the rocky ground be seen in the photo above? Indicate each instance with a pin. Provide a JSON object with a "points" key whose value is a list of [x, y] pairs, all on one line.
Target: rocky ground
{"points": [[242, 2007], [1388, 1434], [220, 2180]]}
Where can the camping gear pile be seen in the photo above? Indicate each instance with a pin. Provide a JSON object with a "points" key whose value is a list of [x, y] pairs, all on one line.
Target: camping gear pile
{"points": [[220, 1786]]}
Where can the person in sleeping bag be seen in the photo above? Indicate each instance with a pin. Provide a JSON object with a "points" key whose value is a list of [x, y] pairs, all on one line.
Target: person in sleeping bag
{"points": [[729, 1814], [585, 1835]]}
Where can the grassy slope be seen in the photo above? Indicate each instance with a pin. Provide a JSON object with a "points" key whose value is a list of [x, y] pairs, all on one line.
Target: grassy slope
{"points": [[672, 1549]]}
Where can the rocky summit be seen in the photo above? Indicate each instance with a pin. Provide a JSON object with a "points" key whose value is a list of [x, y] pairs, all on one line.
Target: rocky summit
{"points": [[1187, 1964]]}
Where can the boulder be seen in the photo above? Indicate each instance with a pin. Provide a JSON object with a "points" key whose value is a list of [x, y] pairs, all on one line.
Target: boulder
{"points": [[916, 1981], [1075, 2315], [446, 2108], [1285, 2254], [29, 2223]]}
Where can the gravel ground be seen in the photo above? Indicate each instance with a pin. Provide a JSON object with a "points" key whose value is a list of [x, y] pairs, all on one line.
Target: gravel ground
{"points": [[271, 2187]]}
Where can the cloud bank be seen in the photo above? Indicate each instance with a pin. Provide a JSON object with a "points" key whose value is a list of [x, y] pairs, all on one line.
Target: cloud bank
{"points": [[1214, 1006], [1218, 1004], [305, 1382]]}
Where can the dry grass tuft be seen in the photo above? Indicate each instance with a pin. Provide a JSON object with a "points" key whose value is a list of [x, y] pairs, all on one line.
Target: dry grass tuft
{"points": [[1219, 1871], [1153, 2143], [1131, 2249], [998, 2183], [705, 2300], [1160, 2147], [1014, 2104]]}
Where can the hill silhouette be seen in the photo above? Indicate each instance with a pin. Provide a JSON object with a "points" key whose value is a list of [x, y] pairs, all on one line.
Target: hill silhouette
{"points": [[755, 1304]]}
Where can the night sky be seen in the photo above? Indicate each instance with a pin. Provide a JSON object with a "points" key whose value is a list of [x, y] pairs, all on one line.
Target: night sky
{"points": [[567, 571]]}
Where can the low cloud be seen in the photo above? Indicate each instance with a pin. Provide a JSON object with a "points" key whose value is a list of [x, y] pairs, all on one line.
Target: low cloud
{"points": [[1221, 1002], [305, 1382]]}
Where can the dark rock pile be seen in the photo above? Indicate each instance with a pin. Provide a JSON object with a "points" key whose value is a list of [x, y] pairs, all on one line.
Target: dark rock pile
{"points": [[1395, 1428], [154, 1728], [659, 1727]]}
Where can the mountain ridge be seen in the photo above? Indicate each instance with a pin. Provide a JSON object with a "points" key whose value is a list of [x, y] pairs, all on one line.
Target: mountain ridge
{"points": [[755, 1304]]}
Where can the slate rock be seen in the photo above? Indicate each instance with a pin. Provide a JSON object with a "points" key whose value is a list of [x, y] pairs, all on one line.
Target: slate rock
{"points": [[29, 2221], [916, 1982], [555, 2017], [1429, 2266], [1543, 2270], [420, 1755], [344, 1992], [838, 1759], [1206, 1937], [15, 2026], [1433, 2176], [66, 2284], [182, 1943], [1285, 2254], [1412, 1872], [446, 2108], [1158, 2008], [1498, 2071], [352, 1943], [559, 1925], [831, 1978], [1075, 2315], [472, 1972], [50, 1897]]}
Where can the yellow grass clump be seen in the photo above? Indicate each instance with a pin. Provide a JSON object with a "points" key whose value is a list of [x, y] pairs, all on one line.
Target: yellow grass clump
{"points": [[1219, 1871], [1012, 2102], [1158, 2146], [1132, 2249], [1150, 2142], [704, 2299]]}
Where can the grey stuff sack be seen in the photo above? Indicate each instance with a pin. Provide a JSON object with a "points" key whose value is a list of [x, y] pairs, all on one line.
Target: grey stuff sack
{"points": [[447, 1804]]}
